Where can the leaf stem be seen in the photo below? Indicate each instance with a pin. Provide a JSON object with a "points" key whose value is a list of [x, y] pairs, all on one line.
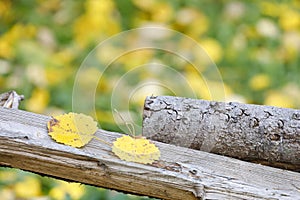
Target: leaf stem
{"points": [[100, 140]]}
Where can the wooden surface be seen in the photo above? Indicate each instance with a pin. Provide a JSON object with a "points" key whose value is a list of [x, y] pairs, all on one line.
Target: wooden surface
{"points": [[262, 134], [180, 174]]}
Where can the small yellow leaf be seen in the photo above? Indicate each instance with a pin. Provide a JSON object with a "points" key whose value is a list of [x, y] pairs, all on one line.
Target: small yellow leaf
{"points": [[72, 129], [138, 150]]}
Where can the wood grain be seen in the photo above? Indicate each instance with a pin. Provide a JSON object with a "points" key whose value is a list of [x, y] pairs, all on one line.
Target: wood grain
{"points": [[263, 134], [180, 174]]}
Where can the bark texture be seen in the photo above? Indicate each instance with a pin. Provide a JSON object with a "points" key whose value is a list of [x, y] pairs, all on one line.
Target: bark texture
{"points": [[264, 134]]}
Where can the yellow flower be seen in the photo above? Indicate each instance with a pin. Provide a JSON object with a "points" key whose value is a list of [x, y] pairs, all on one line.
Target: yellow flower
{"points": [[259, 82], [64, 189], [38, 101], [28, 188]]}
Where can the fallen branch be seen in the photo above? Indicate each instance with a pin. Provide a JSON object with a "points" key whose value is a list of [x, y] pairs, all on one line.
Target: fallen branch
{"points": [[262, 134]]}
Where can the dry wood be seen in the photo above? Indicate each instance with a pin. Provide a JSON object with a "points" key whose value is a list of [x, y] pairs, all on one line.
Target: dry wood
{"points": [[264, 134], [180, 174], [10, 99]]}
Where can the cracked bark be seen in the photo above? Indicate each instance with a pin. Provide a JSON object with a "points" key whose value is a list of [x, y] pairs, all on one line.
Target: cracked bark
{"points": [[262, 134]]}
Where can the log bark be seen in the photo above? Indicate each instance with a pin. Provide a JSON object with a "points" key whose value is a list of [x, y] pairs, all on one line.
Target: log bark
{"points": [[180, 174], [264, 134]]}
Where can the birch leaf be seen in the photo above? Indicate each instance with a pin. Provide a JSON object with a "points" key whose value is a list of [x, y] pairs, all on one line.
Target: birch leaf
{"points": [[138, 150], [72, 129]]}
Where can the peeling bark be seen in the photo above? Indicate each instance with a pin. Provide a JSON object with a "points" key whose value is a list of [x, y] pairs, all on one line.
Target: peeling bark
{"points": [[263, 134]]}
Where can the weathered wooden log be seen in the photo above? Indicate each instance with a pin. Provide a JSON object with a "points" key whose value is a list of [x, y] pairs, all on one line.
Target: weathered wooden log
{"points": [[264, 134], [180, 173]]}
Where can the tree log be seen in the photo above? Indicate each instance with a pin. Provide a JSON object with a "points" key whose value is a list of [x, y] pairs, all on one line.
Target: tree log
{"points": [[264, 134]]}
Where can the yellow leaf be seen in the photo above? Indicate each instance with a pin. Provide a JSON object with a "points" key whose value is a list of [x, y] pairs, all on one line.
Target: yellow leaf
{"points": [[138, 150], [72, 129]]}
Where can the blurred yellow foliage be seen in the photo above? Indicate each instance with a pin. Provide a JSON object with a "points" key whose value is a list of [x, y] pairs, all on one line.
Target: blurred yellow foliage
{"points": [[275, 98], [162, 12], [213, 49], [5, 8], [105, 117], [42, 45], [57, 75], [38, 101], [36, 75], [7, 194], [206, 89], [28, 188], [290, 20], [270, 8], [89, 77], [141, 93], [5, 48], [46, 6], [192, 21], [145, 5], [291, 47], [63, 57], [97, 22], [9, 39], [136, 58], [66, 190], [260, 82], [8, 176]]}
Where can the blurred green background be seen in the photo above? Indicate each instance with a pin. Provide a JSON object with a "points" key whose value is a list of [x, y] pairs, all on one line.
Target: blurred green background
{"points": [[255, 45]]}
